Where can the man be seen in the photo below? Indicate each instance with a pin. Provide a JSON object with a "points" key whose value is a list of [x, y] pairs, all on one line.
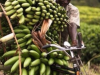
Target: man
{"points": [[74, 21]]}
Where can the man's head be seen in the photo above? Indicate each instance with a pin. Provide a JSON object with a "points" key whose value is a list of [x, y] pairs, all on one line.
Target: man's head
{"points": [[63, 2]]}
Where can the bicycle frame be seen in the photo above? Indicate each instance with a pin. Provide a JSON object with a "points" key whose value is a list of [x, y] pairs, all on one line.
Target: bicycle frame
{"points": [[76, 67]]}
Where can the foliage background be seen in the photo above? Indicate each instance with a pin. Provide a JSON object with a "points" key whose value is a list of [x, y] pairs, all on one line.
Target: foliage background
{"points": [[90, 28]]}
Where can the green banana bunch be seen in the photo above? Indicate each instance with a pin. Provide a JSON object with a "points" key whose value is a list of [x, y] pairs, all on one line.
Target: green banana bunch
{"points": [[33, 63], [31, 12], [23, 34]]}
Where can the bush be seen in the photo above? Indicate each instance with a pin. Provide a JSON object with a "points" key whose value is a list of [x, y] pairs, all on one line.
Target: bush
{"points": [[89, 15], [91, 37]]}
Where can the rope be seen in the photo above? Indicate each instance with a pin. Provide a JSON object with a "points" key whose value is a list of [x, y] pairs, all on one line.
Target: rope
{"points": [[10, 25]]}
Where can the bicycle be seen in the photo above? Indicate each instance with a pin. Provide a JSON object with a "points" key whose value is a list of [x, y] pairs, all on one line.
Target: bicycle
{"points": [[76, 60]]}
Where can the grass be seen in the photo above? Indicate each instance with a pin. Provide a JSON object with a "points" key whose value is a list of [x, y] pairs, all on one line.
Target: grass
{"points": [[89, 15], [93, 70]]}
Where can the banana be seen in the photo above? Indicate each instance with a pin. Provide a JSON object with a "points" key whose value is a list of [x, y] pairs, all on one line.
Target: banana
{"points": [[22, 19], [30, 2], [41, 18], [40, 0], [27, 31], [22, 1], [36, 16], [43, 7], [27, 62], [65, 62], [21, 40], [34, 47], [33, 8], [34, 54], [20, 35], [8, 8], [13, 16], [54, 73], [10, 12], [66, 58], [36, 68], [9, 53], [28, 9], [24, 71], [29, 47], [33, 2], [17, 6], [25, 4], [19, 14], [27, 19], [32, 71], [38, 9], [20, 10], [48, 6], [46, 2], [30, 27], [43, 54], [50, 10], [54, 54], [11, 60], [59, 61], [31, 12], [22, 44], [18, 30], [44, 11], [47, 14], [31, 23], [16, 64], [44, 60], [49, 49], [30, 16], [41, 4], [22, 26], [14, 3], [35, 20], [42, 68], [35, 62], [37, 13], [48, 70], [29, 41], [27, 36], [50, 61], [43, 14], [60, 55], [25, 53], [7, 3]]}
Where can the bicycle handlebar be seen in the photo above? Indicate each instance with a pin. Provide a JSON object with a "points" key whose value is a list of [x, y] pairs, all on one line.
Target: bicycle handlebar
{"points": [[53, 45], [46, 46], [61, 48]]}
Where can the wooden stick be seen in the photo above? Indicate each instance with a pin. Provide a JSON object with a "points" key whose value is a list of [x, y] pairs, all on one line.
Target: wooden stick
{"points": [[10, 25]]}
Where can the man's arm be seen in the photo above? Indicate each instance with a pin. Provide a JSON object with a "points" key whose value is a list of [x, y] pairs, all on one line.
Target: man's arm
{"points": [[74, 16]]}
